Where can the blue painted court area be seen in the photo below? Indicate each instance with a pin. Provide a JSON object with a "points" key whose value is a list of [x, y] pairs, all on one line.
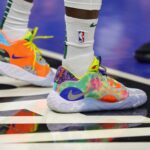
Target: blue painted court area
{"points": [[124, 25]]}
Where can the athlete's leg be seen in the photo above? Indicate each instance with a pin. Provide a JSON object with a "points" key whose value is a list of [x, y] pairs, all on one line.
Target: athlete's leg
{"points": [[16, 18], [81, 19], [80, 84]]}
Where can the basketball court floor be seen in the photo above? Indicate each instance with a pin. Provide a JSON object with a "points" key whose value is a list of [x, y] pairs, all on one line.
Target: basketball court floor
{"points": [[26, 123]]}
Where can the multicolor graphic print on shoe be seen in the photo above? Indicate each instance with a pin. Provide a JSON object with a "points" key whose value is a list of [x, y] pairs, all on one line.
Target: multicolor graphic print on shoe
{"points": [[94, 91]]}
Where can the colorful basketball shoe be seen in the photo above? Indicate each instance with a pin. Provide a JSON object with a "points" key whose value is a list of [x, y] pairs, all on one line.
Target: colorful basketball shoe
{"points": [[23, 60], [95, 91]]}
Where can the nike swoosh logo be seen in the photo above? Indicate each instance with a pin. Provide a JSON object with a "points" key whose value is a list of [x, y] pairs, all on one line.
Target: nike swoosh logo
{"points": [[73, 97], [93, 25], [17, 57]]}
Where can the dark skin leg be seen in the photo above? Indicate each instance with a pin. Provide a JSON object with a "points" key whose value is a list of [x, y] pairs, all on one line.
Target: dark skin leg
{"points": [[30, 1], [82, 14]]}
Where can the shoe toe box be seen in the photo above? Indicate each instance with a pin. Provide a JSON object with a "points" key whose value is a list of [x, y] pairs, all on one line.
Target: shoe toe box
{"points": [[137, 97]]}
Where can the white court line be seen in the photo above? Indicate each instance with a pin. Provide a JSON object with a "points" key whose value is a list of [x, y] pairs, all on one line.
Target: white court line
{"points": [[79, 146], [77, 119], [48, 116], [52, 54], [39, 106], [109, 70], [75, 135], [24, 91], [128, 76], [11, 81]]}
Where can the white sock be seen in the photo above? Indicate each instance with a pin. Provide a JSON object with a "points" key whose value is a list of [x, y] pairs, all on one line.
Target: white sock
{"points": [[80, 37], [16, 23]]}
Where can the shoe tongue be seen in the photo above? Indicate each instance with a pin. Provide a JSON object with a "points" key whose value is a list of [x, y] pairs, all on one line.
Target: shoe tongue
{"points": [[95, 65], [29, 35]]}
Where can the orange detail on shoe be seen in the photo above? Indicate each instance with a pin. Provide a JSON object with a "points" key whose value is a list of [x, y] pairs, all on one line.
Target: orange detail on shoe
{"points": [[94, 67], [111, 82], [26, 57], [118, 85], [109, 99], [42, 70], [114, 83]]}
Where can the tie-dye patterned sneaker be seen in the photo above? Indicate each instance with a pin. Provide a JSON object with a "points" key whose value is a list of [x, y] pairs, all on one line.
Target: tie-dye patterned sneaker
{"points": [[95, 91]]}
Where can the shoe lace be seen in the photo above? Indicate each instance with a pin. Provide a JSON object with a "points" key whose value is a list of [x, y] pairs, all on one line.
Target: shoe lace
{"points": [[102, 69], [29, 44]]}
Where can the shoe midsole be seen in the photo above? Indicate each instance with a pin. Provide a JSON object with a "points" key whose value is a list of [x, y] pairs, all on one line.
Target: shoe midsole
{"points": [[59, 104], [19, 73]]}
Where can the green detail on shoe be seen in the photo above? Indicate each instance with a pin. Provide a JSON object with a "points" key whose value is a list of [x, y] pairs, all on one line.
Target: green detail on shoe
{"points": [[94, 85], [2, 51], [4, 56], [55, 86], [85, 85], [4, 59], [28, 36]]}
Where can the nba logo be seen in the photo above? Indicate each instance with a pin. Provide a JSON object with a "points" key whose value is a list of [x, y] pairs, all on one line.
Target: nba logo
{"points": [[81, 35]]}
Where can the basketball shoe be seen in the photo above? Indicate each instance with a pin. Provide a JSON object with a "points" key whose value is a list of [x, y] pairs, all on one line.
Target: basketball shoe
{"points": [[23, 60], [95, 91]]}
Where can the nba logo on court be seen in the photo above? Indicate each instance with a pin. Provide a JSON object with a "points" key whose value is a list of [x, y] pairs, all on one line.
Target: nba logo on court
{"points": [[81, 35]]}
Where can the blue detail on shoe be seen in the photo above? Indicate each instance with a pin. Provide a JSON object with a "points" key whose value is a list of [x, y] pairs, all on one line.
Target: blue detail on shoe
{"points": [[102, 70], [72, 94], [3, 40]]}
